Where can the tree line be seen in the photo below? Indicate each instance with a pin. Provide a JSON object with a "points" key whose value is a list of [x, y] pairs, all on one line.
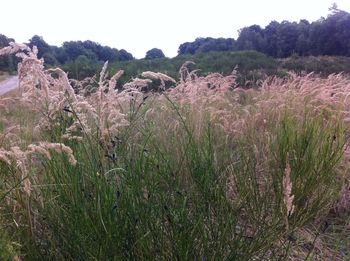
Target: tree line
{"points": [[326, 36], [77, 52]]}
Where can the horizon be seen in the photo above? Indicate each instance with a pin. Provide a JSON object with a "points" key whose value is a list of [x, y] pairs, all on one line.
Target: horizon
{"points": [[159, 28]]}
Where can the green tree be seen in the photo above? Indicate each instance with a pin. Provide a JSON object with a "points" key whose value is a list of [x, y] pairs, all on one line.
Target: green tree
{"points": [[44, 49], [204, 45], [251, 38], [123, 55], [154, 54], [7, 62], [73, 49]]}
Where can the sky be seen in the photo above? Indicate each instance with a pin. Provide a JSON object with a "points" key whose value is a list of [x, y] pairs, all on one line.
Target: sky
{"points": [[140, 25]]}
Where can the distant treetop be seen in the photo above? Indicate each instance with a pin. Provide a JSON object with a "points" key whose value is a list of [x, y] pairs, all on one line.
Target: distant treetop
{"points": [[154, 54]]}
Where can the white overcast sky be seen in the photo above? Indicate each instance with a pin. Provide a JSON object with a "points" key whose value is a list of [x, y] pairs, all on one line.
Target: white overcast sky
{"points": [[139, 25]]}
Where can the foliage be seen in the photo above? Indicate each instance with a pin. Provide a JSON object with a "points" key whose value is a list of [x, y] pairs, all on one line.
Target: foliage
{"points": [[94, 51], [202, 45], [44, 49], [251, 66], [204, 170], [70, 53], [8, 248], [324, 65], [7, 62], [154, 54], [326, 36]]}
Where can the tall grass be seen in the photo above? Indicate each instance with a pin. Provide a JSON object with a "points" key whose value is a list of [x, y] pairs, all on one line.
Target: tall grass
{"points": [[203, 171]]}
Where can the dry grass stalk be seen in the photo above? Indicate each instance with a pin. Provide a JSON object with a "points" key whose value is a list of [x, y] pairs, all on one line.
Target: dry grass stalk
{"points": [[288, 196], [50, 93], [23, 159], [158, 76], [184, 72]]}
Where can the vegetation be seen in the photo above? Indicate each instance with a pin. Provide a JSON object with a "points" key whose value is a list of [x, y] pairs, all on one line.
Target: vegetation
{"points": [[178, 158], [252, 67], [154, 54], [324, 65], [327, 36], [204, 170], [7, 62], [324, 37]]}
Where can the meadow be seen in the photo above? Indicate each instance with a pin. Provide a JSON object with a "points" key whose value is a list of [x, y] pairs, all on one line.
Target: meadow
{"points": [[201, 169]]}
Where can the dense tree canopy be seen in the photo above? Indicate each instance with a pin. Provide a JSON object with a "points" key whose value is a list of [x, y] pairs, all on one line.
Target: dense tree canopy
{"points": [[86, 56], [123, 55], [326, 36], [94, 51], [7, 62], [202, 45], [39, 42], [154, 54]]}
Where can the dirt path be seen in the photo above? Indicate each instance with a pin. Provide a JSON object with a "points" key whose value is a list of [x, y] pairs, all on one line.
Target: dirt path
{"points": [[8, 84]]}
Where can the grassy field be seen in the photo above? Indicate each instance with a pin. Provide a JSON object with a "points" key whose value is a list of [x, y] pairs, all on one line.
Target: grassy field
{"points": [[205, 170]]}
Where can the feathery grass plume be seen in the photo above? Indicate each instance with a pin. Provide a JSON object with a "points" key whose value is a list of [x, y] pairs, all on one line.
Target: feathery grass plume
{"points": [[32, 148], [184, 73], [73, 132], [288, 196], [23, 158], [109, 118], [211, 84], [137, 84], [7, 102], [84, 87], [32, 76], [19, 156], [14, 48], [51, 93], [114, 79], [62, 83], [5, 156], [57, 147], [158, 76], [9, 135], [103, 75], [40, 91], [204, 96]]}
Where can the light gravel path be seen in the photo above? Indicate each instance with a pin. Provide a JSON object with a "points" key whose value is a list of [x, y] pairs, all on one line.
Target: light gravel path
{"points": [[9, 84]]}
